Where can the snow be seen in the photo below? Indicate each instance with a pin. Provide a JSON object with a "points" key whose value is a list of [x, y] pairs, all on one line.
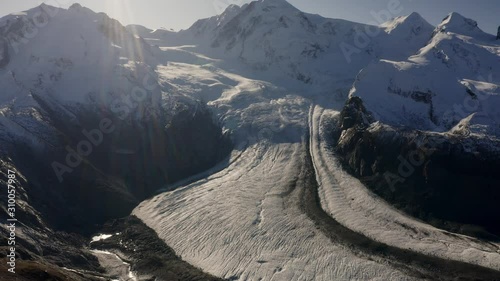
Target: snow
{"points": [[412, 28], [115, 266], [237, 223], [452, 77], [70, 61], [71, 65], [457, 23], [139, 30], [101, 237], [347, 200], [272, 74], [232, 223]]}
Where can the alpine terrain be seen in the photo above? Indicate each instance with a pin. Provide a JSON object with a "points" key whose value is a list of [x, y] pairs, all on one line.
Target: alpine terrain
{"points": [[264, 143]]}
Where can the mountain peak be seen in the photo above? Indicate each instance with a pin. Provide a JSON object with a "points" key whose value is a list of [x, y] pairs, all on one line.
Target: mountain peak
{"points": [[230, 12], [455, 17], [413, 23], [245, 16], [75, 6], [414, 16], [232, 8], [268, 5], [457, 23]]}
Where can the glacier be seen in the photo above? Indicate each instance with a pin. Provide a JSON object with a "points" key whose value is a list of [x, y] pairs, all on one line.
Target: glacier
{"points": [[276, 80]]}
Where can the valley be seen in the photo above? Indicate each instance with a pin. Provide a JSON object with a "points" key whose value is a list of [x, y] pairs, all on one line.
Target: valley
{"points": [[249, 147]]}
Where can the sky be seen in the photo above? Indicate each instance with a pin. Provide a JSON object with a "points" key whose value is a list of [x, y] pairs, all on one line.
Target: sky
{"points": [[180, 14]]}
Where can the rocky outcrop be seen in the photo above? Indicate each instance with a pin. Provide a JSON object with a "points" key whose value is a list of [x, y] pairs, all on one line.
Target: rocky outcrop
{"points": [[125, 167], [447, 180], [148, 254], [41, 252]]}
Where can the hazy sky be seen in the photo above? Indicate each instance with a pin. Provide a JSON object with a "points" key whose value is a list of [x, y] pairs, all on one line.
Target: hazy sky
{"points": [[180, 14]]}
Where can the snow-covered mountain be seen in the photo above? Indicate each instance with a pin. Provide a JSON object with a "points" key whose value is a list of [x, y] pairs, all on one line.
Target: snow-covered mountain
{"points": [[273, 37], [71, 61], [75, 55], [272, 42], [420, 72], [280, 206], [423, 74], [63, 74], [452, 80]]}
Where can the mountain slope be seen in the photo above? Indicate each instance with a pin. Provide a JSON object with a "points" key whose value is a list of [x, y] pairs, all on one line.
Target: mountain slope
{"points": [[423, 133], [453, 79], [276, 81], [237, 225], [85, 123], [274, 37]]}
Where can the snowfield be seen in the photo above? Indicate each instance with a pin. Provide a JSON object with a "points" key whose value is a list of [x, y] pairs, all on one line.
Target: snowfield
{"points": [[274, 77], [453, 79], [239, 225], [243, 223]]}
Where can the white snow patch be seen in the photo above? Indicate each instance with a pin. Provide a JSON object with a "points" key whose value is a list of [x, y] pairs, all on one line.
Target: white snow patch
{"points": [[115, 266], [101, 237]]}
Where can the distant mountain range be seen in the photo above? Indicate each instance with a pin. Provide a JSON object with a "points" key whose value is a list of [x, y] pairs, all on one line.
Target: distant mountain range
{"points": [[232, 122]]}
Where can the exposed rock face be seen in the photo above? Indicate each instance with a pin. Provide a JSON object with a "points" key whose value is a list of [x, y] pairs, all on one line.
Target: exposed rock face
{"points": [[43, 123], [127, 167], [41, 251], [355, 115], [498, 33], [148, 254], [440, 179]]}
